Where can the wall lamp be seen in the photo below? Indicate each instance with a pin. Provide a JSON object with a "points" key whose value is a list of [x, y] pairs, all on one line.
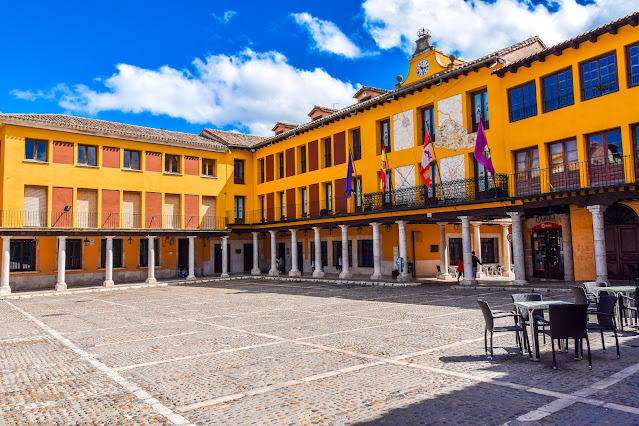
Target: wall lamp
{"points": [[86, 241], [67, 209], [359, 229], [456, 227], [34, 241], [388, 227], [130, 240]]}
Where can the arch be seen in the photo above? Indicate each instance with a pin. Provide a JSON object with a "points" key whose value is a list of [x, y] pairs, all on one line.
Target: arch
{"points": [[620, 214], [621, 228]]}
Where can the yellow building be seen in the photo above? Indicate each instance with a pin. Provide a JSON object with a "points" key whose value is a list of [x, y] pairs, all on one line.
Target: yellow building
{"points": [[86, 200]]}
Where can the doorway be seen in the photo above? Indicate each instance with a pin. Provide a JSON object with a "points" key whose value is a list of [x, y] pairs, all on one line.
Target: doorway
{"points": [[281, 255], [217, 254], [548, 256], [248, 257], [621, 227], [183, 254], [455, 250], [300, 257]]}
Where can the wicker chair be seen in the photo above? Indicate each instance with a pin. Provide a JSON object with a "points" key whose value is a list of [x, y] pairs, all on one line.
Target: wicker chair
{"points": [[490, 316], [568, 322], [605, 319]]}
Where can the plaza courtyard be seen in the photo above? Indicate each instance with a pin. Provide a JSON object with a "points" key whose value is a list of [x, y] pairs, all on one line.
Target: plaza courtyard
{"points": [[291, 352]]}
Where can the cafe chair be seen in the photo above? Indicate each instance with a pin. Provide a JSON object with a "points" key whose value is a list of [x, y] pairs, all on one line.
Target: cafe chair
{"points": [[605, 319], [490, 316], [439, 271], [628, 308], [592, 295], [582, 299], [523, 313], [568, 322]]}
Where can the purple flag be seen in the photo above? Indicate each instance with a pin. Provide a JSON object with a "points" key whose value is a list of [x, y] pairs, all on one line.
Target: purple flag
{"points": [[349, 176], [480, 145]]}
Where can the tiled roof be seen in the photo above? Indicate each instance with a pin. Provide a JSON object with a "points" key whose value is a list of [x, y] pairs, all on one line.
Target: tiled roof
{"points": [[281, 123], [369, 89], [91, 125], [232, 139], [321, 108], [592, 35]]}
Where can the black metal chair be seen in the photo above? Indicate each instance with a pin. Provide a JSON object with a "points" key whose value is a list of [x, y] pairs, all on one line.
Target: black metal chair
{"points": [[628, 308], [592, 295], [605, 319], [490, 316], [581, 299], [524, 314], [568, 322]]}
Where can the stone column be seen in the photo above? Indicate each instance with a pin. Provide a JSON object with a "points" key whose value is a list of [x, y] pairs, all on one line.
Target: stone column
{"points": [[505, 246], [225, 256], [377, 253], [601, 264], [256, 259], [477, 247], [566, 243], [295, 271], [150, 279], [273, 271], [60, 284], [518, 249], [6, 261], [345, 271], [467, 251], [108, 263], [318, 272], [403, 252], [191, 275], [443, 252]]}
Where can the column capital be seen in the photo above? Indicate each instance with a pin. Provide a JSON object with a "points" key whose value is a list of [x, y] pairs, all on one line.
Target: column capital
{"points": [[464, 219], [442, 223], [224, 237], [514, 215], [476, 223], [109, 237], [273, 232], [316, 228], [292, 231], [191, 236], [401, 222], [255, 234], [505, 225], [62, 237], [150, 237], [343, 226], [6, 237], [597, 209]]}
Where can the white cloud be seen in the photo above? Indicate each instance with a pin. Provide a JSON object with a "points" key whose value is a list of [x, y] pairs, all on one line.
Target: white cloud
{"points": [[249, 90], [226, 17], [476, 28], [32, 95], [327, 36]]}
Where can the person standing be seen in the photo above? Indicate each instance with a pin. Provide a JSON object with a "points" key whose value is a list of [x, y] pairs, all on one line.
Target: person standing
{"points": [[460, 268], [476, 261], [339, 264]]}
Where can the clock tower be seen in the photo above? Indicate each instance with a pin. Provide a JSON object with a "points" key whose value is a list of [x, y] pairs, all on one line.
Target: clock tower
{"points": [[427, 60]]}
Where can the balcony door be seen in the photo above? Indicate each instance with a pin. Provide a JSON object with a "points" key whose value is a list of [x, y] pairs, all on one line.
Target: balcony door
{"points": [[605, 158], [621, 227], [527, 181], [483, 179], [564, 165]]}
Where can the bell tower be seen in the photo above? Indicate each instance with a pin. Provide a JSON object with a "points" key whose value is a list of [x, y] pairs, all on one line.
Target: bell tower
{"points": [[427, 60]]}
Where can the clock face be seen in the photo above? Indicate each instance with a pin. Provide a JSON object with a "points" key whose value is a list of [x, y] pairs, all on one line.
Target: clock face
{"points": [[422, 68]]}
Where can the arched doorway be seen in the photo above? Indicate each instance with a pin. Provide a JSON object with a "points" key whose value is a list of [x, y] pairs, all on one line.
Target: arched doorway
{"points": [[621, 227]]}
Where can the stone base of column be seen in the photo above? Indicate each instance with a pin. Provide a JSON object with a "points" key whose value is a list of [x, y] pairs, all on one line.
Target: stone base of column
{"points": [[318, 274], [376, 277], [601, 279], [345, 275], [508, 274], [5, 291], [107, 283], [224, 275], [468, 282], [445, 276], [151, 281], [294, 273], [481, 274], [273, 272], [190, 278], [404, 278], [520, 282], [256, 271], [60, 286]]}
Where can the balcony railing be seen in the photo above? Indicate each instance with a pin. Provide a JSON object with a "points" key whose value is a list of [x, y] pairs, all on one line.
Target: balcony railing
{"points": [[92, 220]]}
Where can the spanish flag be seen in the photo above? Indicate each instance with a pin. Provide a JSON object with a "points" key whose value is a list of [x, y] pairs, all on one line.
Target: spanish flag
{"points": [[382, 171]]}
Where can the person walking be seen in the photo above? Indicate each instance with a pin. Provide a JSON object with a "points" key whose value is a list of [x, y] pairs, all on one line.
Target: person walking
{"points": [[460, 268], [476, 261], [339, 264]]}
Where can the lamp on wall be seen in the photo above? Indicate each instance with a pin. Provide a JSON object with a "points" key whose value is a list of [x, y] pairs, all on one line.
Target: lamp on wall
{"points": [[388, 227], [86, 241], [456, 226], [130, 240], [34, 241], [330, 230], [67, 209], [359, 229]]}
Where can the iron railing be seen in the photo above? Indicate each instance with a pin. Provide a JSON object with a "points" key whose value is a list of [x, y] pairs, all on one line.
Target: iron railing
{"points": [[105, 220]]}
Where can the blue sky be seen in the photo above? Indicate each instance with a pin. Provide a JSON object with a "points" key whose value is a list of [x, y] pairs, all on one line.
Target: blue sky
{"points": [[246, 65]]}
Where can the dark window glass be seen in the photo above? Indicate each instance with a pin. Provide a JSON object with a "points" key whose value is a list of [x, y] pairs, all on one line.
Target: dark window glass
{"points": [[357, 186], [238, 174], [523, 102], [117, 253], [74, 254], [385, 135], [208, 167], [558, 90], [239, 208], [144, 251], [172, 163], [22, 257], [303, 159], [605, 158], [428, 123], [365, 253], [304, 202], [262, 170], [323, 251], [479, 101], [527, 174], [280, 157], [35, 150], [599, 77], [327, 153], [633, 65], [455, 250], [337, 253], [489, 250], [86, 155], [131, 160], [357, 144]]}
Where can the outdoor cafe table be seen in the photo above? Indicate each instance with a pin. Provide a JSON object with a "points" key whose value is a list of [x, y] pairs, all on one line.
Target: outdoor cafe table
{"points": [[532, 306], [616, 289]]}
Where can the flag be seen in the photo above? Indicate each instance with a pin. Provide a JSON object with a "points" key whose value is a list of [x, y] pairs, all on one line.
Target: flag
{"points": [[382, 171], [349, 176], [427, 159], [480, 146]]}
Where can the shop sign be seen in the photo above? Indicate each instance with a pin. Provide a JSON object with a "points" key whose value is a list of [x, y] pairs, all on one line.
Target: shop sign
{"points": [[548, 225]]}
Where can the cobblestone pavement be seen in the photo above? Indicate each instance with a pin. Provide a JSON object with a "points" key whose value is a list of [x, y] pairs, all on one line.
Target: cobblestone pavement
{"points": [[285, 352]]}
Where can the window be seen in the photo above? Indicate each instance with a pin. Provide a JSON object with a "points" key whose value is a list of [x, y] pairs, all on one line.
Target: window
{"points": [[280, 197], [564, 166], [599, 76], [238, 175], [384, 134], [302, 156], [358, 193], [455, 250], [280, 165], [365, 253], [632, 57], [328, 191], [262, 166], [428, 124], [263, 207], [117, 253], [605, 158], [489, 250], [337, 252], [326, 144], [635, 138], [35, 150], [131, 159], [323, 252], [527, 180], [144, 251], [522, 101], [171, 163], [557, 90], [479, 105], [304, 202], [239, 208], [22, 255], [208, 167], [74, 254], [357, 144], [86, 155]]}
